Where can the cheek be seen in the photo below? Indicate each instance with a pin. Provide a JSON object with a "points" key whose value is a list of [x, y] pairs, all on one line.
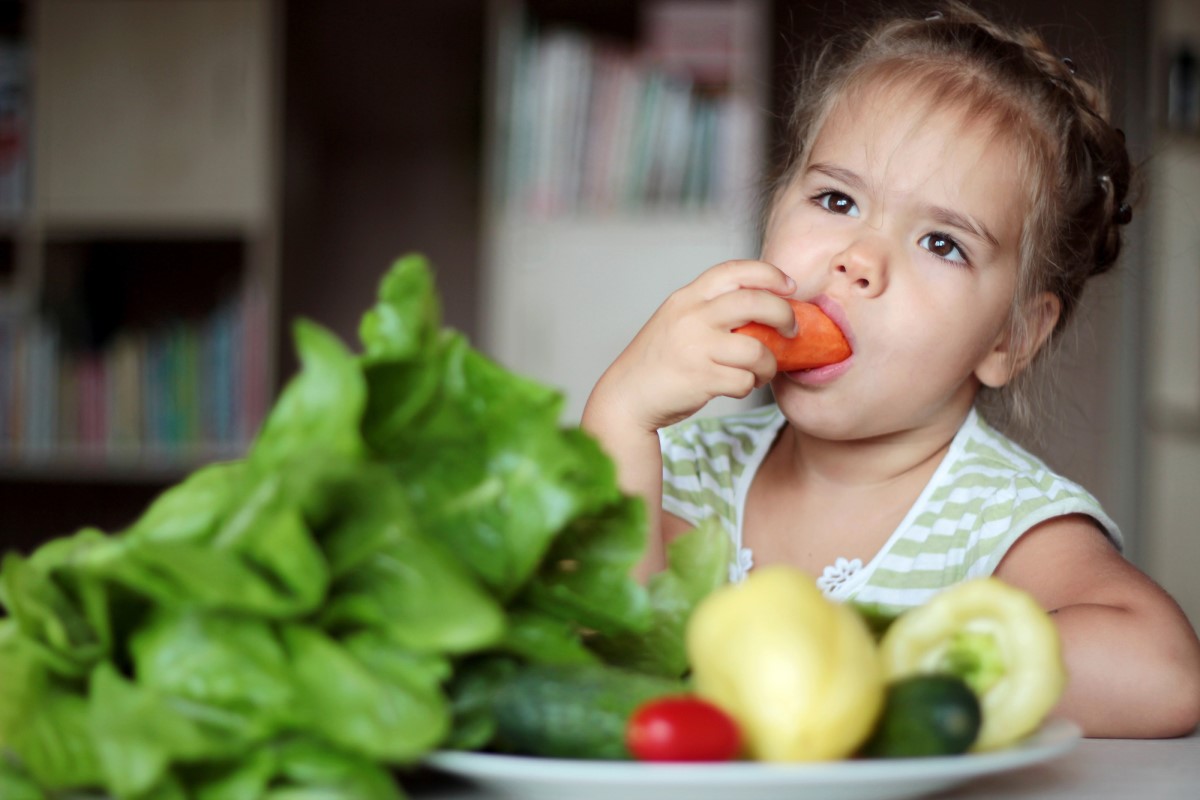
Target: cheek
{"points": [[795, 245], [790, 221], [943, 330]]}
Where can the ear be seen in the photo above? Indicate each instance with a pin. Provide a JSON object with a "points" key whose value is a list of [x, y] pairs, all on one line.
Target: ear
{"points": [[1007, 359]]}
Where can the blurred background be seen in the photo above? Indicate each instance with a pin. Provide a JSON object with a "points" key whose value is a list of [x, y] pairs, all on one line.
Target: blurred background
{"points": [[181, 179]]}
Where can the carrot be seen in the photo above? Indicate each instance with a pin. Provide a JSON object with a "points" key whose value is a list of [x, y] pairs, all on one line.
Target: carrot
{"points": [[817, 343]]}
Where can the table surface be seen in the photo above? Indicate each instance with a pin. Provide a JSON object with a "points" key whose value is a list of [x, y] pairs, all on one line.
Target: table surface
{"points": [[1162, 769], [1096, 769]]}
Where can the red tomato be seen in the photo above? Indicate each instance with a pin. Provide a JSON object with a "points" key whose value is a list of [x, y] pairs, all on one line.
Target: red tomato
{"points": [[683, 728]]}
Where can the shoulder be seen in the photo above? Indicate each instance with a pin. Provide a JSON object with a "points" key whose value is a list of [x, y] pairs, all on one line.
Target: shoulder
{"points": [[703, 454], [982, 448], [1022, 487], [732, 433], [705, 461], [1098, 573], [988, 451]]}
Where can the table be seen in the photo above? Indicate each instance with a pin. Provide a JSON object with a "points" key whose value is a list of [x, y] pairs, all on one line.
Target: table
{"points": [[1101, 769], [1096, 769]]}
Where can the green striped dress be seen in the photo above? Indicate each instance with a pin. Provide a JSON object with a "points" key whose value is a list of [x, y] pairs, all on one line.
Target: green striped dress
{"points": [[985, 494]]}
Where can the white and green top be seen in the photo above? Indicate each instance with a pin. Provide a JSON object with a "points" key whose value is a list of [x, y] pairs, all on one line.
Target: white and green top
{"points": [[985, 494]]}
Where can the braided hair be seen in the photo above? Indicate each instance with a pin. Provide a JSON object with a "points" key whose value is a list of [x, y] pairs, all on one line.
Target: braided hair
{"points": [[1072, 160]]}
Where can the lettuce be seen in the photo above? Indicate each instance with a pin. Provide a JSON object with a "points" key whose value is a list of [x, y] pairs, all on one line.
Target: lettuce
{"points": [[305, 619], [698, 562]]}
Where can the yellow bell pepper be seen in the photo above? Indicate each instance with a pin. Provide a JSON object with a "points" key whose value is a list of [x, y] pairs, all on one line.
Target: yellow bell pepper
{"points": [[997, 639], [800, 673]]}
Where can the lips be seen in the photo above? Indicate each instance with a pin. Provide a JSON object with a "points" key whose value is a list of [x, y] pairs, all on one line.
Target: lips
{"points": [[820, 376], [834, 311]]}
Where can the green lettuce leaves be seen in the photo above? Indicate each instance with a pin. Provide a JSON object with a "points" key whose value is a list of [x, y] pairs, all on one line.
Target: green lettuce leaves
{"points": [[303, 621]]}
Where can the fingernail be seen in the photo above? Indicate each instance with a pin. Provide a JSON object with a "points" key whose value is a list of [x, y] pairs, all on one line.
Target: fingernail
{"points": [[791, 284]]}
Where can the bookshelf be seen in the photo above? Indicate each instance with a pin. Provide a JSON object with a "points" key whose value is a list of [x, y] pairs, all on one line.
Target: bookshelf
{"points": [[623, 149], [138, 235]]}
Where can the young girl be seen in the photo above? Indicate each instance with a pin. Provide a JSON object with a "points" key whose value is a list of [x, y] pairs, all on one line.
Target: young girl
{"points": [[952, 187]]}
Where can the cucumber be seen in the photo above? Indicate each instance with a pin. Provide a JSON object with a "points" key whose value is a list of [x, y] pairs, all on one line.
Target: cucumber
{"points": [[572, 710], [925, 715]]}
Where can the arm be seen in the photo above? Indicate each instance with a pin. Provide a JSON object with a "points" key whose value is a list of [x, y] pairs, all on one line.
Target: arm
{"points": [[684, 356], [1132, 657], [635, 452]]}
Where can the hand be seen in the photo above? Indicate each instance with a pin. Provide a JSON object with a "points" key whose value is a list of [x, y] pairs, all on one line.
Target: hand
{"points": [[687, 353]]}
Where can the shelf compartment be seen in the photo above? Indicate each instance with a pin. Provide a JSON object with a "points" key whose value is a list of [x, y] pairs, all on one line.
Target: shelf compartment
{"points": [[144, 353]]}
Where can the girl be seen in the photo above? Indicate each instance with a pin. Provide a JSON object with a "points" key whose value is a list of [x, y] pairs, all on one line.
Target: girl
{"points": [[952, 186]]}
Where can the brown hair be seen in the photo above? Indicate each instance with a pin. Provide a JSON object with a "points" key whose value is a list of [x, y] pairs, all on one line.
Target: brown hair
{"points": [[1073, 161]]}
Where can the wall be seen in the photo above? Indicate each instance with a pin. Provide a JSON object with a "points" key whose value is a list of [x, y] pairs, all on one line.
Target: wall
{"points": [[1171, 478]]}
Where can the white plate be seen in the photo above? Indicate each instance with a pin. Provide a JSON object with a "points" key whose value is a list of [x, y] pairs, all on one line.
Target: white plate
{"points": [[876, 779]]}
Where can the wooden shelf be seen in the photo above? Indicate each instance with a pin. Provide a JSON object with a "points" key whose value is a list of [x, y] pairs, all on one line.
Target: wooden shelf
{"points": [[97, 465], [191, 226]]}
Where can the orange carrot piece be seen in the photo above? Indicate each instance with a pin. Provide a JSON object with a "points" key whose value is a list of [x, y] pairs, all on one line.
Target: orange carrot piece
{"points": [[817, 343]]}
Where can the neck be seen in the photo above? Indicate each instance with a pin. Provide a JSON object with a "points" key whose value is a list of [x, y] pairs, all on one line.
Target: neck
{"points": [[871, 462]]}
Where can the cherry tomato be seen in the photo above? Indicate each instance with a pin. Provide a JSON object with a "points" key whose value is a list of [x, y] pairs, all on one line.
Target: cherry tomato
{"points": [[683, 728]]}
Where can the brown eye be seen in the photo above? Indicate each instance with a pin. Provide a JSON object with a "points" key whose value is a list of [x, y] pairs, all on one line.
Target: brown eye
{"points": [[838, 203], [943, 247]]}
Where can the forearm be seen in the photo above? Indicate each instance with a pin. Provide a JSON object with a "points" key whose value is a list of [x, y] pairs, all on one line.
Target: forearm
{"points": [[635, 453], [685, 355], [1130, 673], [1132, 657]]}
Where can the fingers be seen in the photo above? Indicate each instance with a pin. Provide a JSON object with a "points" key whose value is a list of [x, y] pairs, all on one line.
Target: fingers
{"points": [[729, 276], [736, 383], [737, 292], [748, 356], [741, 306], [687, 352]]}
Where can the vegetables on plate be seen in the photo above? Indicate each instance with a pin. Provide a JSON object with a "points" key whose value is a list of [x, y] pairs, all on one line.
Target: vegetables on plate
{"points": [[799, 673], [682, 728], [925, 715], [817, 343], [998, 640], [572, 710]]}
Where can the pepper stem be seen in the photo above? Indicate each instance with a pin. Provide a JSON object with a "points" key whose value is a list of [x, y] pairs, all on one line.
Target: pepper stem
{"points": [[975, 657]]}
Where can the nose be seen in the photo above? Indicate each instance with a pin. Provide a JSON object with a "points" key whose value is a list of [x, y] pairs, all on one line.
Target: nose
{"points": [[864, 262]]}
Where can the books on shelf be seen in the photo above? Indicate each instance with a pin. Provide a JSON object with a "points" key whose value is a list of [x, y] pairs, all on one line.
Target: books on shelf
{"points": [[587, 125], [14, 129], [183, 388]]}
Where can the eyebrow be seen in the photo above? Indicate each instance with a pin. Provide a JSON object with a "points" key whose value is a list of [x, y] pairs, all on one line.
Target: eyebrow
{"points": [[848, 177], [946, 216], [963, 222]]}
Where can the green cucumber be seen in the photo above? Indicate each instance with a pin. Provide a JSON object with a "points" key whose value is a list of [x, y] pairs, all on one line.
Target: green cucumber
{"points": [[572, 710], [925, 715]]}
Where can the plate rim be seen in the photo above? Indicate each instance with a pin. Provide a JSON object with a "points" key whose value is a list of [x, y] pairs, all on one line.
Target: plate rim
{"points": [[1054, 738]]}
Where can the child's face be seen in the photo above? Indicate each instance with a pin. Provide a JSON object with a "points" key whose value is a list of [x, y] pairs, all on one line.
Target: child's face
{"points": [[905, 226]]}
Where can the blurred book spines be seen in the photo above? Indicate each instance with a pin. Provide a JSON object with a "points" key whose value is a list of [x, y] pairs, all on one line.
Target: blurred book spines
{"points": [[586, 125], [180, 389], [14, 128]]}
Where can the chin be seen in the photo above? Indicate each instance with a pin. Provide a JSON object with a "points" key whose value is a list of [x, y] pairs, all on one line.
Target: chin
{"points": [[815, 418]]}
